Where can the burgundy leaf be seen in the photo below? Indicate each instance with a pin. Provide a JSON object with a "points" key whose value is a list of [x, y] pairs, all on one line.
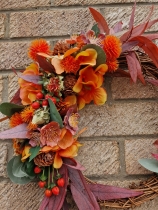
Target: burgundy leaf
{"points": [[117, 27], [30, 78], [150, 13], [126, 35], [106, 192], [134, 67], [56, 202], [149, 47], [80, 199], [151, 36], [65, 205], [131, 22], [155, 156], [44, 64], [102, 24], [156, 143], [75, 165], [16, 98], [128, 45], [44, 203], [20, 132], [82, 188], [153, 81], [14, 70]]}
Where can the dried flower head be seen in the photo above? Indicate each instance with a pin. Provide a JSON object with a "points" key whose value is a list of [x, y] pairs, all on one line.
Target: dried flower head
{"points": [[38, 45], [112, 65], [70, 64], [27, 114], [15, 120]]}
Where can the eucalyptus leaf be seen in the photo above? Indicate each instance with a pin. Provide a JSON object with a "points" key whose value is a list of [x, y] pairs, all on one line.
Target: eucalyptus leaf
{"points": [[29, 167], [96, 29], [54, 114], [9, 109], [17, 180], [18, 167], [150, 164], [34, 151], [101, 57]]}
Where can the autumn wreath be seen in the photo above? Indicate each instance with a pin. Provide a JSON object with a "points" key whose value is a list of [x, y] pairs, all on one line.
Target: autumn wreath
{"points": [[43, 114]]}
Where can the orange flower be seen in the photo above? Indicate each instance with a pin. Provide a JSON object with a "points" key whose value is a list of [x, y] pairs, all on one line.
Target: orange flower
{"points": [[15, 120], [18, 149], [38, 46], [112, 65], [112, 47], [27, 114], [88, 86], [29, 90], [70, 64], [32, 126], [26, 153]]}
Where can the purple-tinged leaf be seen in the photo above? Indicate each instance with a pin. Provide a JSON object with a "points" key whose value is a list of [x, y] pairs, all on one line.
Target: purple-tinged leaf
{"points": [[56, 202], [102, 24], [16, 98], [151, 36], [78, 181], [131, 22], [156, 143], [149, 47], [76, 165], [14, 70], [106, 192], [44, 203], [44, 64], [128, 45], [150, 13], [155, 156], [134, 67], [30, 78], [117, 27], [20, 132], [153, 81], [66, 206]]}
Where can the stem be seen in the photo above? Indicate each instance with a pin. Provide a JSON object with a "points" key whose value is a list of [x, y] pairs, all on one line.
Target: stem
{"points": [[52, 174], [49, 177]]}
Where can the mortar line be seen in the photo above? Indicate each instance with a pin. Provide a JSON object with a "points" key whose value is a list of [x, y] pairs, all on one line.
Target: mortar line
{"points": [[5, 88], [122, 157], [6, 24], [77, 6]]}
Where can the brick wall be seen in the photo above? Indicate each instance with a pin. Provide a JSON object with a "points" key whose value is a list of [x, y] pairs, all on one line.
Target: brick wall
{"points": [[119, 133]]}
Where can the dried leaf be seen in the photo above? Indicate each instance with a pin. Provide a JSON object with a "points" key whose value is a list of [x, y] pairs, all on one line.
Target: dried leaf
{"points": [[44, 203], [156, 143], [106, 192], [151, 36], [30, 78], [16, 98], [81, 188], [155, 156], [153, 81], [19, 131], [134, 67], [44, 64], [128, 45], [117, 27], [74, 164], [56, 202], [102, 24], [149, 47], [65, 205]]}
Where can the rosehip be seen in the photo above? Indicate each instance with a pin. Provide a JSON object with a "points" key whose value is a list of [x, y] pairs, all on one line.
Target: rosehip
{"points": [[37, 170], [55, 190], [44, 103], [39, 95], [52, 98], [41, 184], [35, 105], [48, 193], [61, 182]]}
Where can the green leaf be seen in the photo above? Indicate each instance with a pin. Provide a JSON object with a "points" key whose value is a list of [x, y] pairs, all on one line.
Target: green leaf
{"points": [[96, 29], [150, 164], [101, 56], [17, 180], [18, 167], [34, 151], [9, 109], [54, 114], [29, 167]]}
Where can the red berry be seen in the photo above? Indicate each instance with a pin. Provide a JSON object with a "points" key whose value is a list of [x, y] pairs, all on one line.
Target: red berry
{"points": [[44, 103], [54, 100], [36, 105], [48, 193], [37, 170], [55, 190], [47, 96], [39, 95], [41, 184], [61, 182]]}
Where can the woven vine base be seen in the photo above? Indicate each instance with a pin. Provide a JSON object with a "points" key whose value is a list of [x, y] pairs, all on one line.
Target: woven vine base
{"points": [[149, 187]]}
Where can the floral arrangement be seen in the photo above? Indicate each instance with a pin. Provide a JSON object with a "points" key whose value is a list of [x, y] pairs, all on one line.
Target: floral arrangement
{"points": [[43, 114]]}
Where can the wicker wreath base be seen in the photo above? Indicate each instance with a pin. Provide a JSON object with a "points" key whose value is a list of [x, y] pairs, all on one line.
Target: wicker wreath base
{"points": [[149, 187]]}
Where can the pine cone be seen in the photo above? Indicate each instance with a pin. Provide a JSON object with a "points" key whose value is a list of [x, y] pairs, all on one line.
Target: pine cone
{"points": [[60, 48], [69, 82], [44, 159]]}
